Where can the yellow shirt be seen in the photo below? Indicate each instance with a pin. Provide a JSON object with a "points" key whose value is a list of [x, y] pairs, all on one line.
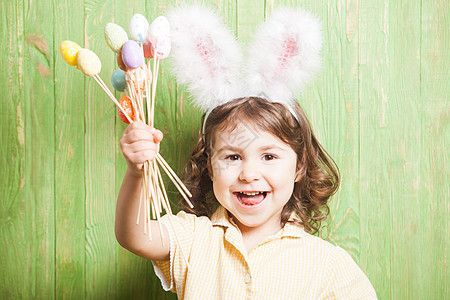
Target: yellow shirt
{"points": [[291, 264]]}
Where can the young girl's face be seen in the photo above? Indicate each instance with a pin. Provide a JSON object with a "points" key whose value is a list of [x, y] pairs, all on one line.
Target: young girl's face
{"points": [[253, 174]]}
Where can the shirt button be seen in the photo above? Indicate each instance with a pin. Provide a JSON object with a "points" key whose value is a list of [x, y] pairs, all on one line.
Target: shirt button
{"points": [[247, 278]]}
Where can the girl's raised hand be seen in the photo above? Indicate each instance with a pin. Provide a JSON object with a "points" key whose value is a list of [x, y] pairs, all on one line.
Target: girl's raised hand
{"points": [[139, 143]]}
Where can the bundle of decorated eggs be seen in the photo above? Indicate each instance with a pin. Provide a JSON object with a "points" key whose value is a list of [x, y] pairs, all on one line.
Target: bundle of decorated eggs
{"points": [[147, 41]]}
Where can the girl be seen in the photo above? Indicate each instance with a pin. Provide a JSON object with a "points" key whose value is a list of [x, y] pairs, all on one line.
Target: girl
{"points": [[260, 179], [260, 182]]}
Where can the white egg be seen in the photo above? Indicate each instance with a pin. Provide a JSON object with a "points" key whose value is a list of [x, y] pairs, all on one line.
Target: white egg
{"points": [[138, 28], [158, 30]]}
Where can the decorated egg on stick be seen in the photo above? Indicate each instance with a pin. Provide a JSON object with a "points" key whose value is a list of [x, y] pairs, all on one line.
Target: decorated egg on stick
{"points": [[115, 36], [148, 50], [120, 62], [158, 30], [132, 54], [162, 48], [88, 62], [138, 28], [69, 52], [127, 107], [118, 80]]}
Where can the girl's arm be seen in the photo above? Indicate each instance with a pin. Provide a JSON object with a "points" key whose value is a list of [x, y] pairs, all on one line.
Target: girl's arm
{"points": [[139, 143]]}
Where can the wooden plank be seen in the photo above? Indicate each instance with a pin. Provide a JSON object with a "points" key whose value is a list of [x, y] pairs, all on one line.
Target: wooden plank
{"points": [[433, 187], [15, 258], [401, 154], [40, 140], [100, 161], [69, 157], [333, 102], [375, 190]]}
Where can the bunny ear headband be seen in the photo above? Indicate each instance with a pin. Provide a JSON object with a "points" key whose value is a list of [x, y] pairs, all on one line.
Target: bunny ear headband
{"points": [[206, 57]]}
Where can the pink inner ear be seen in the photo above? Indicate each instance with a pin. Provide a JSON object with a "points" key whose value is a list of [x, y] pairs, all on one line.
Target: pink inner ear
{"points": [[290, 49], [208, 52]]}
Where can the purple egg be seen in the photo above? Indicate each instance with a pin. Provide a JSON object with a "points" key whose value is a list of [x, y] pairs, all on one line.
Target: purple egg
{"points": [[132, 54]]}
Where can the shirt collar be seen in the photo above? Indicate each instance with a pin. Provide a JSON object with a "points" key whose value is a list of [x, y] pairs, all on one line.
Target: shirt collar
{"points": [[291, 229]]}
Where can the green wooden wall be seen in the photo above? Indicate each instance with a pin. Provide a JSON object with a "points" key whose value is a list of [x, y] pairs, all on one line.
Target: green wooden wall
{"points": [[380, 106]]}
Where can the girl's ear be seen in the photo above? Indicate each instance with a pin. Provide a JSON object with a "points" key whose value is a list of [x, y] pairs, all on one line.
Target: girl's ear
{"points": [[297, 176]]}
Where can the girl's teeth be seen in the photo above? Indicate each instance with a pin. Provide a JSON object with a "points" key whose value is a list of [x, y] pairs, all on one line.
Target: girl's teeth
{"points": [[251, 194]]}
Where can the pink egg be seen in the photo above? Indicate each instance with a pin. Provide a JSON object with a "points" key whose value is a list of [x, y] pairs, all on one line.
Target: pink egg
{"points": [[162, 49], [148, 50]]}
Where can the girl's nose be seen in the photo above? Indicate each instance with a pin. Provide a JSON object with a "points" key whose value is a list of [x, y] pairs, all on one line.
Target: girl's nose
{"points": [[249, 172]]}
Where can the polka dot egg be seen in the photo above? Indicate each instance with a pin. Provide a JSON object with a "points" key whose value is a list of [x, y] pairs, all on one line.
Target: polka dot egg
{"points": [[118, 80], [138, 28]]}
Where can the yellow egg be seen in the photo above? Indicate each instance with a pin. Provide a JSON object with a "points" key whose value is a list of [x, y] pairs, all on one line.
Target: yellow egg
{"points": [[69, 51]]}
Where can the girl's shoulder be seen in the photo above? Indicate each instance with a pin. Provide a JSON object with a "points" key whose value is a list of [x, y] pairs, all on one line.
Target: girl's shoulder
{"points": [[318, 249], [308, 240]]}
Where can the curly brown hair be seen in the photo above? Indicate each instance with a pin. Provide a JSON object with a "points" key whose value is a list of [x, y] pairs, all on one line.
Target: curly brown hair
{"points": [[319, 173]]}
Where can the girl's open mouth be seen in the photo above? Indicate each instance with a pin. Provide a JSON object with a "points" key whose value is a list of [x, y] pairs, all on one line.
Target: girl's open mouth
{"points": [[250, 199]]}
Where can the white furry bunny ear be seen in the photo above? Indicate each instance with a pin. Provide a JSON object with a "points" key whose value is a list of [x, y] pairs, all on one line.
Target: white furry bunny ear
{"points": [[284, 55], [205, 56]]}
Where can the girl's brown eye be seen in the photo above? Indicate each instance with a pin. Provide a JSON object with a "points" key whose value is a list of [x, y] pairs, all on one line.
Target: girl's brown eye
{"points": [[269, 157], [233, 157]]}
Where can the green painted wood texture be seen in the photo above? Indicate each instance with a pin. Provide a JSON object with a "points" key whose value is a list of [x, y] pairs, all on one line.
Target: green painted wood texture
{"points": [[380, 106]]}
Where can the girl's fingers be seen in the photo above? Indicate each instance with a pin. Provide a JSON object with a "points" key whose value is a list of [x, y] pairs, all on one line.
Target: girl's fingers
{"points": [[140, 143], [135, 125], [137, 135], [140, 146], [139, 131], [141, 156], [157, 136]]}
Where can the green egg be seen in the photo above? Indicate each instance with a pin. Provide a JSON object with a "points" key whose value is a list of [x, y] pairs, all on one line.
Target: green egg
{"points": [[115, 36]]}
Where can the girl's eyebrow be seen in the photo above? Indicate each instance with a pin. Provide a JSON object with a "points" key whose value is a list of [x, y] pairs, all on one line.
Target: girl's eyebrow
{"points": [[228, 147], [271, 147], [237, 149]]}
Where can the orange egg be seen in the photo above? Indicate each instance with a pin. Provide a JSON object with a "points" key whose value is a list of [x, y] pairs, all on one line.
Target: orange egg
{"points": [[125, 103], [137, 77]]}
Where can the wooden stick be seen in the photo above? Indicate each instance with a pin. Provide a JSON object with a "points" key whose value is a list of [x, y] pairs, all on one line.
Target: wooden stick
{"points": [[177, 185], [138, 111], [157, 186], [140, 199], [148, 218], [108, 92], [160, 196], [164, 163], [154, 83], [166, 198], [147, 93]]}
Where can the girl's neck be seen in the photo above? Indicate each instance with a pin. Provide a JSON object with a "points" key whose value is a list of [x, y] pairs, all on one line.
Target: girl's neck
{"points": [[253, 236]]}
